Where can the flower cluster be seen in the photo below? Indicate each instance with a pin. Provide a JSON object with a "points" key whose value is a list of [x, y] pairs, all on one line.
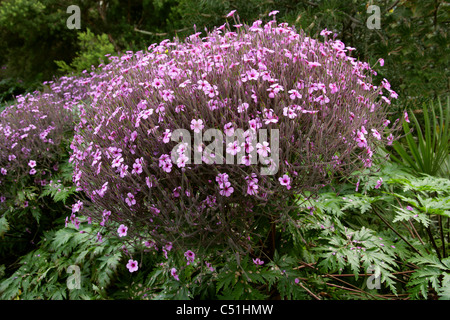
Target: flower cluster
{"points": [[327, 114], [34, 134]]}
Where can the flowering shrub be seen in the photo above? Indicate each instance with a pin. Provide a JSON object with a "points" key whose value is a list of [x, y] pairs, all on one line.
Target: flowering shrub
{"points": [[287, 112], [35, 135]]}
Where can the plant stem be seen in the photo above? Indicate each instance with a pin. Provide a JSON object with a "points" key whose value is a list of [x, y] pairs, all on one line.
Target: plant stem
{"points": [[311, 293], [430, 235], [396, 232], [441, 229]]}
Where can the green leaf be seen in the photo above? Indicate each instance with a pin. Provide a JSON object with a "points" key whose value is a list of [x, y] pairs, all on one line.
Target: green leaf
{"points": [[4, 226]]}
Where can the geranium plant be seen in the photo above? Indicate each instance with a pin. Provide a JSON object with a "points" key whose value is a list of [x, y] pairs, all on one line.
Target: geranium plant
{"points": [[207, 141]]}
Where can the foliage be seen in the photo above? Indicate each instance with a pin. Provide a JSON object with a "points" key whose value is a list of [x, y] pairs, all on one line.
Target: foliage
{"points": [[93, 51], [427, 150], [32, 35], [45, 273]]}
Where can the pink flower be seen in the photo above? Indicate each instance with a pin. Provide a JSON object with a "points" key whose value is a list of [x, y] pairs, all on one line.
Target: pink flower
{"points": [[263, 149], [406, 116], [167, 95], [313, 64], [103, 190], [285, 181], [258, 261], [242, 107], [3, 171], [248, 147], [32, 171], [230, 14], [222, 178], [247, 160], [294, 94], [122, 230], [142, 104], [272, 13], [117, 162], [166, 136], [252, 188], [271, 117], [209, 266], [333, 87], [197, 125], [203, 85], [167, 166], [390, 139], [165, 162], [212, 91], [182, 160], [190, 256], [179, 108], [379, 183], [123, 170], [233, 148], [361, 139], [229, 129], [253, 124], [77, 206], [381, 62], [137, 168], [173, 272], [252, 74], [133, 136], [32, 163], [376, 134], [130, 200], [157, 83], [289, 112], [325, 32], [226, 189], [132, 265]]}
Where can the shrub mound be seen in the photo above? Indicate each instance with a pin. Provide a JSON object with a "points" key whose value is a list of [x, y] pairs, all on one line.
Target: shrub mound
{"points": [[209, 140]]}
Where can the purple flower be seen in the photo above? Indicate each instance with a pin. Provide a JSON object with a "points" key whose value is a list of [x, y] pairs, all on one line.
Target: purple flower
{"points": [[174, 274], [190, 256], [226, 189], [122, 231], [285, 181], [32, 163], [263, 148], [77, 206], [130, 200], [230, 14], [197, 125], [379, 183], [233, 148], [132, 265]]}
